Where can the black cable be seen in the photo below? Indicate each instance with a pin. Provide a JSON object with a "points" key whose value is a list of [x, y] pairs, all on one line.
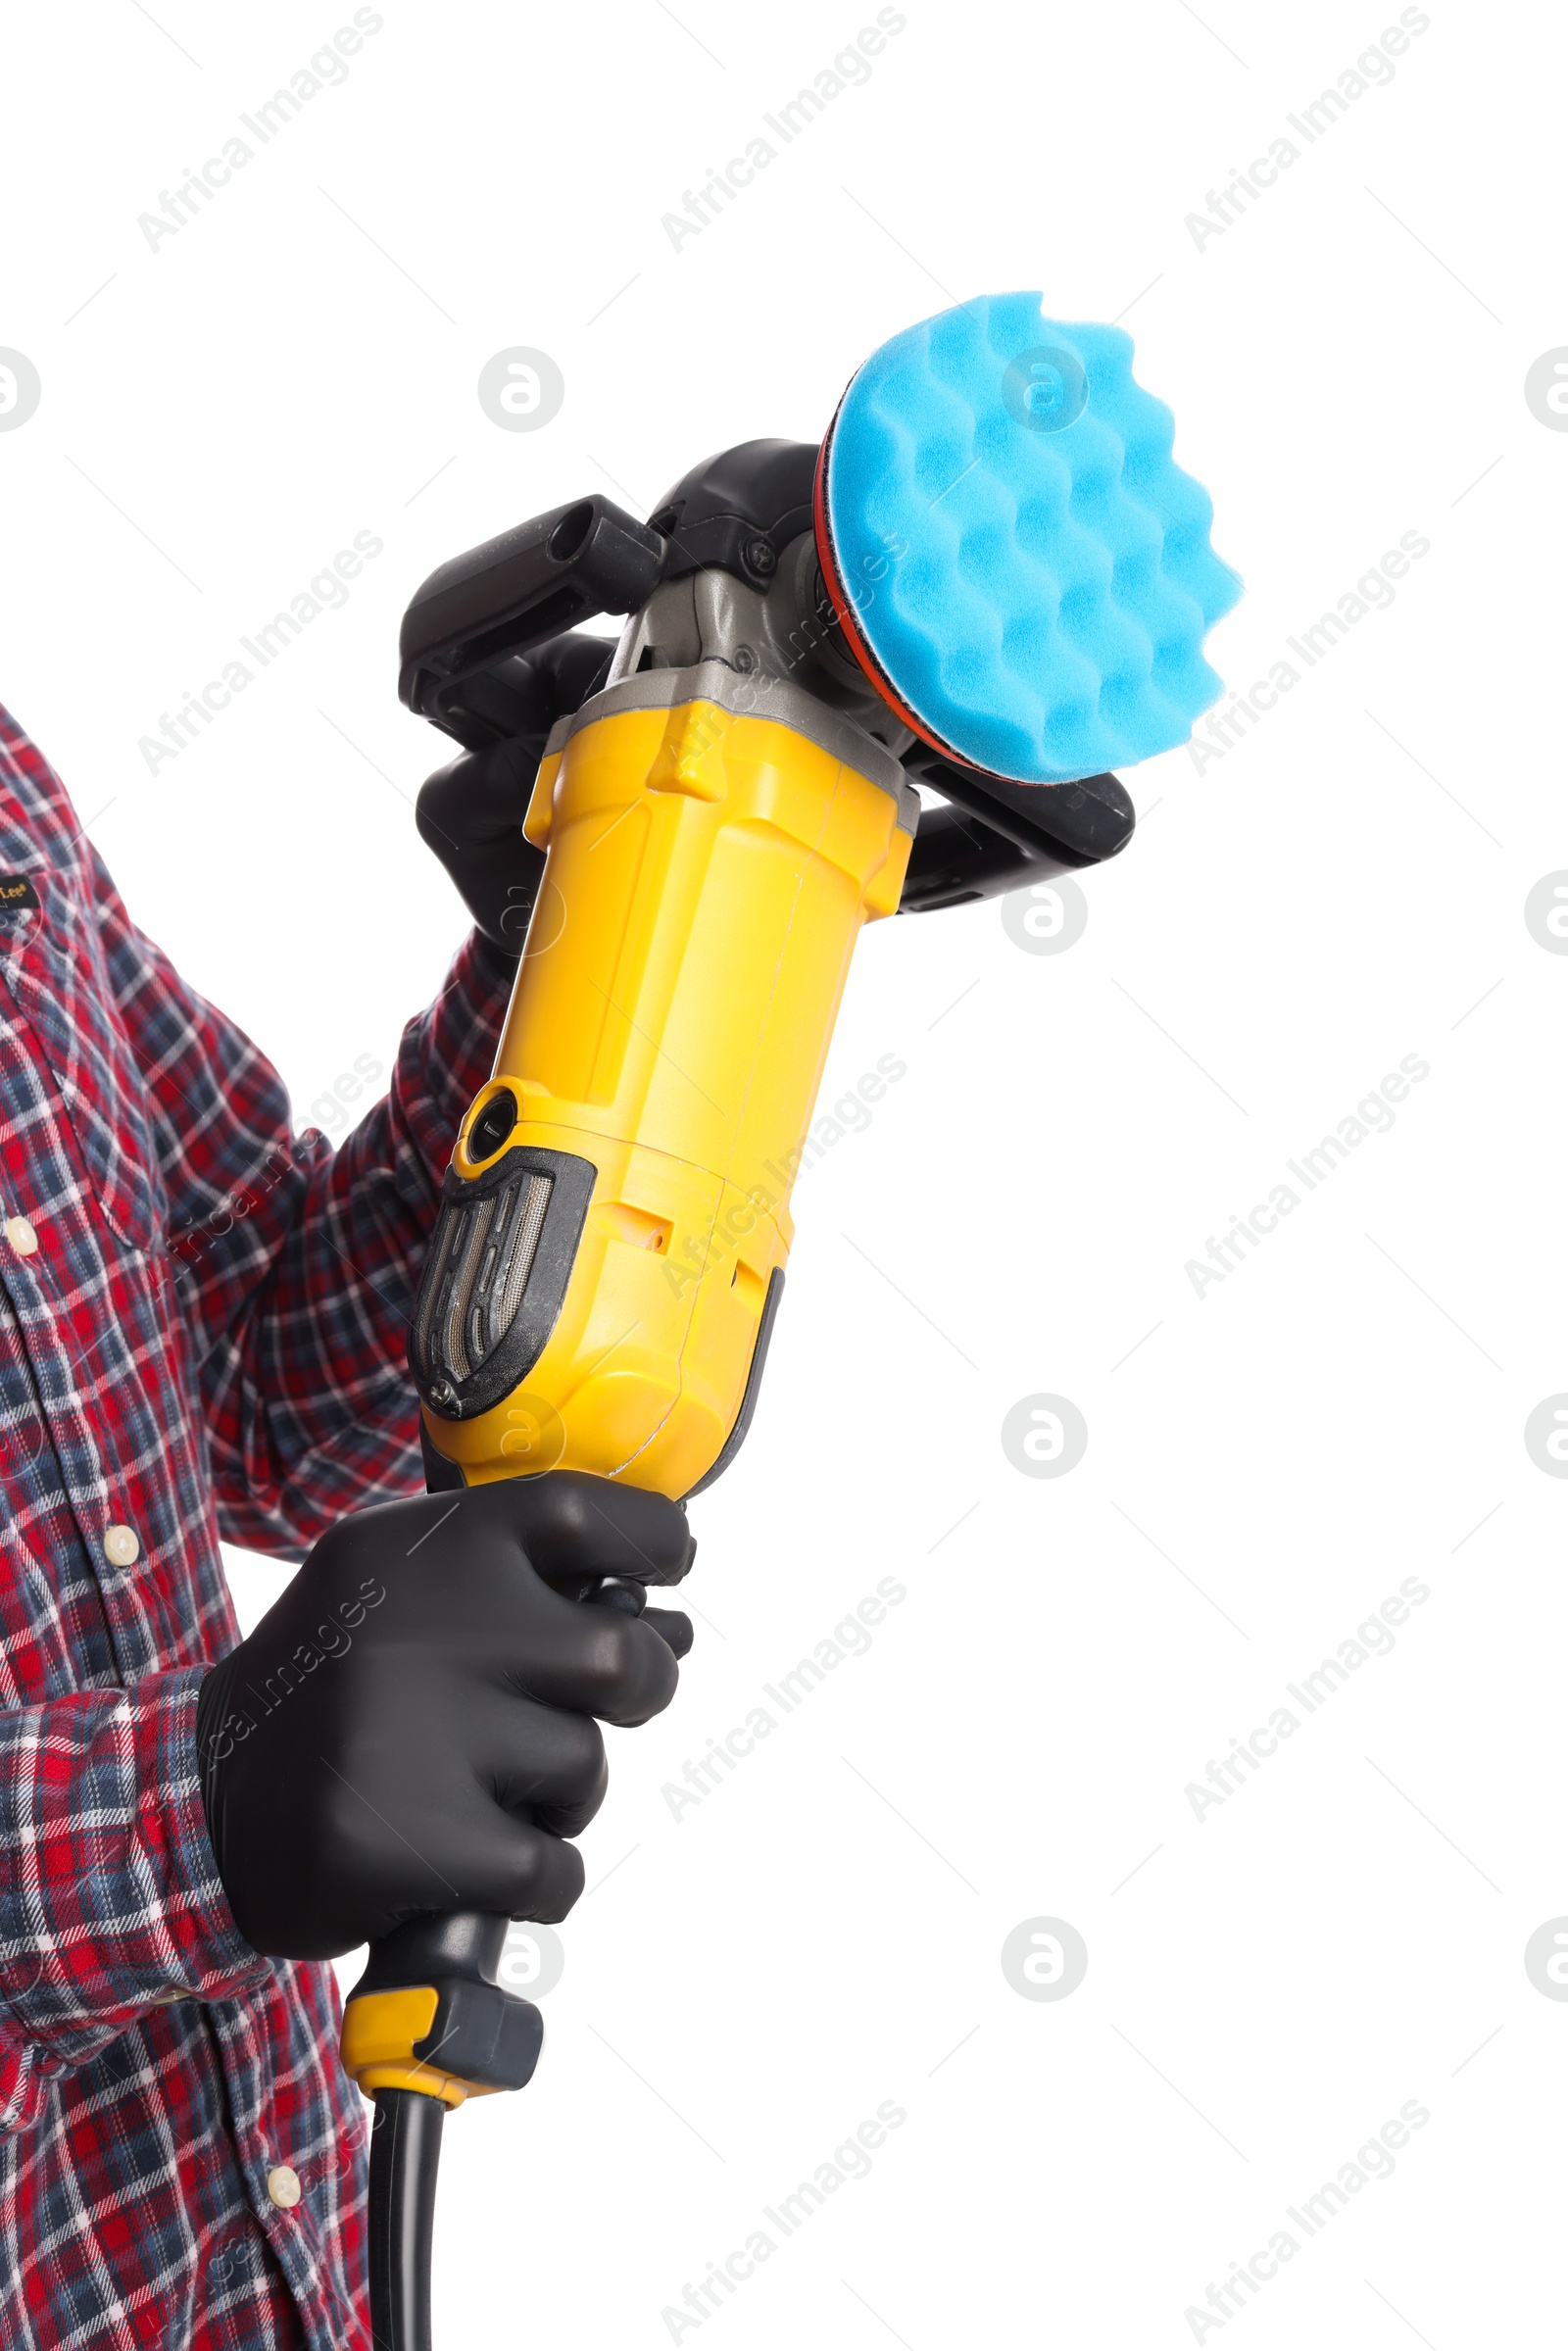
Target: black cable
{"points": [[405, 2155], [488, 2036]]}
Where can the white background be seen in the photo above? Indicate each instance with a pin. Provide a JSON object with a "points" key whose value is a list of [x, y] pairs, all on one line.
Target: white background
{"points": [[1344, 888]]}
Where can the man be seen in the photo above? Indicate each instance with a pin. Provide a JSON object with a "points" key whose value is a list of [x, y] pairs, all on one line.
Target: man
{"points": [[201, 1326]]}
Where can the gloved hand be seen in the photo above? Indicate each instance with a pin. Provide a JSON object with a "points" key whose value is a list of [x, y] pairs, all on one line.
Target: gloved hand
{"points": [[408, 1727], [470, 812]]}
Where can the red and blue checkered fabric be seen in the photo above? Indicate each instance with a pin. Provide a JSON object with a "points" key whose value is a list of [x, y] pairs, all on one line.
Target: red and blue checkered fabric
{"points": [[206, 1340]]}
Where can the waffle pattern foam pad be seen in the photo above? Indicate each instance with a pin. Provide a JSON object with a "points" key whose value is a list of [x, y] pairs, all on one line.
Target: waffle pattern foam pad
{"points": [[1029, 566]]}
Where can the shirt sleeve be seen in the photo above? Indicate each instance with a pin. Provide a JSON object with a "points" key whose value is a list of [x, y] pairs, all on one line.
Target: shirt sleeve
{"points": [[109, 1900], [296, 1266]]}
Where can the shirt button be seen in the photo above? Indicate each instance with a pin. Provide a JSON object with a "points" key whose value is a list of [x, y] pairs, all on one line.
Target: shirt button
{"points": [[21, 1235], [120, 1546], [283, 2187]]}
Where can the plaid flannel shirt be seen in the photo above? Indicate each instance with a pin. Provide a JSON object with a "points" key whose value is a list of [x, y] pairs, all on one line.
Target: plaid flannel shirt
{"points": [[201, 1326]]}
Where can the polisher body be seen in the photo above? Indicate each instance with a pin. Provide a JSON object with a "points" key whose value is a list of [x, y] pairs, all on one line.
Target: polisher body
{"points": [[616, 1219]]}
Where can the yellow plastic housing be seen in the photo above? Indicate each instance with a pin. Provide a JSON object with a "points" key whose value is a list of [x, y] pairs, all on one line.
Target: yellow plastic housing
{"points": [[708, 875], [379, 2031]]}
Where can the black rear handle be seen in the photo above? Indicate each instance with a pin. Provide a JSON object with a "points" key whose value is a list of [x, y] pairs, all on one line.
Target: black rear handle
{"points": [[515, 592]]}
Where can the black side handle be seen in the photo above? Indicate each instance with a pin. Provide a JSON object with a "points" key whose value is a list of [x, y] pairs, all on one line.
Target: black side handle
{"points": [[956, 858], [515, 592], [521, 698], [995, 835]]}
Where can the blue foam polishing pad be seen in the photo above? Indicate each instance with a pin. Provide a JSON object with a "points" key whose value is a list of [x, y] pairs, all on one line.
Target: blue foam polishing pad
{"points": [[1009, 541]]}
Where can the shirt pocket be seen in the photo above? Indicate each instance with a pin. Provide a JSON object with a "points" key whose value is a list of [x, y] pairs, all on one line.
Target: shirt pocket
{"points": [[59, 979]]}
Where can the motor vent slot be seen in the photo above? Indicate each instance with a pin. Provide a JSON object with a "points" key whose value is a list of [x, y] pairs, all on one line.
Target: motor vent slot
{"points": [[496, 1277]]}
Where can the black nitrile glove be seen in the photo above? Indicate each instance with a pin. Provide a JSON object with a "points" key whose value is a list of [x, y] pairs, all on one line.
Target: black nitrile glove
{"points": [[471, 812], [408, 1727]]}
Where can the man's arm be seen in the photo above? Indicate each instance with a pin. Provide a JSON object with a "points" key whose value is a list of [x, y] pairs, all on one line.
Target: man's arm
{"points": [[109, 1897], [290, 1273], [296, 1266]]}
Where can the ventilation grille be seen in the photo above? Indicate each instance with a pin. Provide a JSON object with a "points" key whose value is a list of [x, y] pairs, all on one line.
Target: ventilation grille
{"points": [[480, 1259]]}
